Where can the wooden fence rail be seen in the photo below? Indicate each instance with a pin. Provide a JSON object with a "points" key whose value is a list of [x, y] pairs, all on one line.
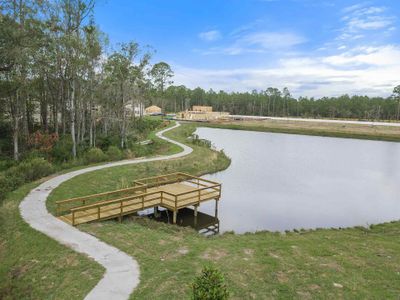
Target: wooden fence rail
{"points": [[146, 193]]}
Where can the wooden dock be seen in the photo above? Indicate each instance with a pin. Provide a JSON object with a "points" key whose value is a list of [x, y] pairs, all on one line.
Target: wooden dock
{"points": [[172, 191]]}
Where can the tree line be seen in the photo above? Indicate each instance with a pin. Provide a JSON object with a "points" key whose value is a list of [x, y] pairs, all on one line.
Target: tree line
{"points": [[274, 102], [57, 78]]}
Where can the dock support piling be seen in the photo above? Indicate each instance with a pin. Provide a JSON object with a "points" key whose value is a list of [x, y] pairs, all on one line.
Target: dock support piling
{"points": [[216, 208], [174, 217], [156, 212], [195, 215]]}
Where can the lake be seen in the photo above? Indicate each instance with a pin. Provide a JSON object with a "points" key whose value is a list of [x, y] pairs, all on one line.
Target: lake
{"points": [[282, 182]]}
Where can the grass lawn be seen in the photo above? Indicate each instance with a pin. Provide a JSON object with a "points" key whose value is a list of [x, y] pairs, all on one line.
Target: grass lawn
{"points": [[384, 133], [349, 263], [33, 266]]}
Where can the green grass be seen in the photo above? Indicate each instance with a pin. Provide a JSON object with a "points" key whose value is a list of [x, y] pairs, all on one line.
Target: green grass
{"points": [[34, 266], [365, 132], [366, 263], [349, 263], [355, 263]]}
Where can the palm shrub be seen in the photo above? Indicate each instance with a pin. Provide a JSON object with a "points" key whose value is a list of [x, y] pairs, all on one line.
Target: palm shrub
{"points": [[114, 153], [210, 285], [95, 155]]}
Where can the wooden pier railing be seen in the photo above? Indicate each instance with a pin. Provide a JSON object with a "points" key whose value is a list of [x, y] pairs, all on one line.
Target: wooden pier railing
{"points": [[147, 193], [64, 206]]}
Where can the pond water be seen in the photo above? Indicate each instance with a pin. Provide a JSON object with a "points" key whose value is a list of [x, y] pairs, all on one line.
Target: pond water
{"points": [[284, 182]]}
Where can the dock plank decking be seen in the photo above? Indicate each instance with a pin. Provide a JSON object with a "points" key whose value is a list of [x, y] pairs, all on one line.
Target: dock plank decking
{"points": [[173, 192]]}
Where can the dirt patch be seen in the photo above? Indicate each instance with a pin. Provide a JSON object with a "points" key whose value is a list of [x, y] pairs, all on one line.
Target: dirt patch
{"points": [[183, 251], [214, 254], [333, 266], [248, 252], [314, 287], [274, 255], [282, 277], [18, 272], [304, 295]]}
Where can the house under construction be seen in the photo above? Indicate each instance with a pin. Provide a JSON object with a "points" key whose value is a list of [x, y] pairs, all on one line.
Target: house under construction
{"points": [[201, 114]]}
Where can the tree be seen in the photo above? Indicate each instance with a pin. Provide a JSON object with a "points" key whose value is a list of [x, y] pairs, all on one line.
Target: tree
{"points": [[161, 74], [125, 78], [396, 95], [20, 41]]}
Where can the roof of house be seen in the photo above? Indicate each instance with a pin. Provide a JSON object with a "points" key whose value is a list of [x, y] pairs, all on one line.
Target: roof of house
{"points": [[153, 107]]}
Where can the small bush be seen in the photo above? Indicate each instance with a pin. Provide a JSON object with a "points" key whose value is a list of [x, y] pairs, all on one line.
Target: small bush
{"points": [[103, 142], [62, 150], [4, 186], [95, 155], [30, 170], [39, 168], [5, 164], [114, 153], [210, 285], [129, 154], [200, 142], [26, 171]]}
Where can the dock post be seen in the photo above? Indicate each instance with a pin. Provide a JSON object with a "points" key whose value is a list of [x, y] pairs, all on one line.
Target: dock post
{"points": [[174, 217], [195, 215], [156, 214], [216, 208]]}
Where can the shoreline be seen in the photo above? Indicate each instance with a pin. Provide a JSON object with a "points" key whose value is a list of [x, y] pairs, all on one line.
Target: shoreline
{"points": [[349, 131]]}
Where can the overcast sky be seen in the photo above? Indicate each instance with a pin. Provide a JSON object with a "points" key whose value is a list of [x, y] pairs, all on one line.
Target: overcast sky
{"points": [[313, 47]]}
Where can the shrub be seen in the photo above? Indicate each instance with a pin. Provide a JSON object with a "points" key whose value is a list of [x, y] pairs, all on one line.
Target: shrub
{"points": [[39, 168], [210, 285], [32, 169], [114, 153], [200, 142], [95, 155], [43, 142], [62, 150], [103, 142], [4, 186], [129, 154], [5, 164]]}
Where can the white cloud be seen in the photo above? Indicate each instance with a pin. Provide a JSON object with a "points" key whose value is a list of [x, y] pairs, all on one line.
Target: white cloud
{"points": [[210, 36], [259, 42], [370, 56], [369, 23], [361, 19], [363, 70], [272, 40]]}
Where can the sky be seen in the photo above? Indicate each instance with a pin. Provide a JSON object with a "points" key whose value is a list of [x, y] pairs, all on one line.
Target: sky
{"points": [[315, 48]]}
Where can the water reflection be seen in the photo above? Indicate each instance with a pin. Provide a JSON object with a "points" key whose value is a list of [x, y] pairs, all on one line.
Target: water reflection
{"points": [[282, 181]]}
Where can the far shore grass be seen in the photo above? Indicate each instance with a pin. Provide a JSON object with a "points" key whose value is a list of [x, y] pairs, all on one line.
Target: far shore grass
{"points": [[368, 132], [353, 263]]}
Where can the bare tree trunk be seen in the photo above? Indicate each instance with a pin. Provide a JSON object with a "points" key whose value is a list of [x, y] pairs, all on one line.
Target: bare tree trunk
{"points": [[15, 138], [14, 105], [83, 123], [73, 118], [44, 111], [25, 121], [55, 118], [91, 127], [123, 125]]}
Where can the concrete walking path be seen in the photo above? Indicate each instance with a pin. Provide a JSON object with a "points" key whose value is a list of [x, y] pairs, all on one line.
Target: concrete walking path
{"points": [[122, 271]]}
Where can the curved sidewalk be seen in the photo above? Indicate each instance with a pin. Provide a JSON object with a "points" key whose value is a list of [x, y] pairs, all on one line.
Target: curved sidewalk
{"points": [[122, 271]]}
